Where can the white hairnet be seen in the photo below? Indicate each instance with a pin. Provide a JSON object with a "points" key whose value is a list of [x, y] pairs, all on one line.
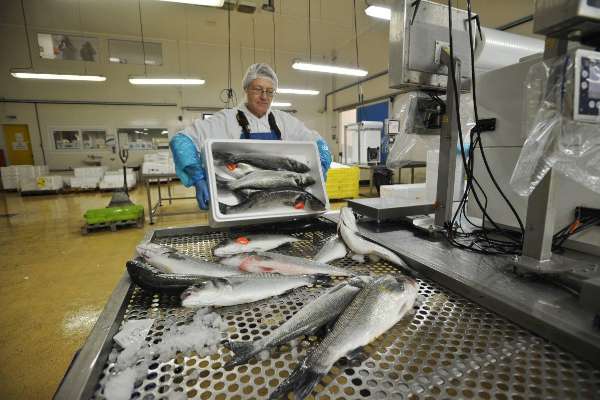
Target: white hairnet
{"points": [[259, 71]]}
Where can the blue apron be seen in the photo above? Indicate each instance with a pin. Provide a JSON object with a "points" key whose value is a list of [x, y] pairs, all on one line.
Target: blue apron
{"points": [[273, 134]]}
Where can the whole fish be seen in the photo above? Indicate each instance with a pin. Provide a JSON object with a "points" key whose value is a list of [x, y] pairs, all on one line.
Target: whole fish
{"points": [[348, 230], [292, 197], [375, 309], [281, 264], [264, 161], [252, 243], [268, 180], [171, 261], [333, 249], [247, 288], [152, 279], [234, 171], [308, 320]]}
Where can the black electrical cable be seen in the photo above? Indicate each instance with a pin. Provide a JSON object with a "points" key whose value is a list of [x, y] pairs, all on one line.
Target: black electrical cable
{"points": [[480, 239], [228, 96], [26, 27]]}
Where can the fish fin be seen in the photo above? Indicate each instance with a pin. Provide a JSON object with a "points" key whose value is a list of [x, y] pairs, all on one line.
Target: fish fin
{"points": [[324, 330], [356, 354], [301, 382], [359, 258], [374, 258], [322, 279], [243, 351], [224, 208]]}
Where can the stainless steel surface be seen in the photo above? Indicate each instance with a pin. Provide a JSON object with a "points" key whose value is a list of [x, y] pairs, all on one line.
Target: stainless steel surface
{"points": [[154, 209], [85, 370], [543, 308], [563, 18], [412, 46], [444, 197], [384, 208], [450, 347]]}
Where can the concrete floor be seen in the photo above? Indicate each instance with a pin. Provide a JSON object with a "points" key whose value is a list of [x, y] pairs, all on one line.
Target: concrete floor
{"points": [[54, 282]]}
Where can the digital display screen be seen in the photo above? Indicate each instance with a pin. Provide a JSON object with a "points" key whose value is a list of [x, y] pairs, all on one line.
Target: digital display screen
{"points": [[594, 80]]}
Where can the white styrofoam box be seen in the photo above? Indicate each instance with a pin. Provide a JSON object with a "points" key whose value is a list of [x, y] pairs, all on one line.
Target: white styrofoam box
{"points": [[10, 171], [149, 168], [10, 182], [85, 182], [337, 165], [305, 152], [431, 175], [28, 184], [50, 182], [158, 157], [40, 170], [116, 181], [119, 172], [415, 191], [81, 172]]}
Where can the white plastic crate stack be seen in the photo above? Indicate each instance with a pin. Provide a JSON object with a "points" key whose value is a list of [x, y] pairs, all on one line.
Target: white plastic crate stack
{"points": [[159, 163], [10, 178], [42, 183], [114, 179], [87, 177]]}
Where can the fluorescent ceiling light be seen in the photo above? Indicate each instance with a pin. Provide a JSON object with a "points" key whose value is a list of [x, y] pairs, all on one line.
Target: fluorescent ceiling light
{"points": [[332, 69], [379, 12], [64, 77], [280, 104], [209, 3], [165, 81], [298, 91]]}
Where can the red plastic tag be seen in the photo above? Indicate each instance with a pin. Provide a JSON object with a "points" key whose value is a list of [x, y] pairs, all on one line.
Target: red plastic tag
{"points": [[231, 166], [299, 205], [242, 240]]}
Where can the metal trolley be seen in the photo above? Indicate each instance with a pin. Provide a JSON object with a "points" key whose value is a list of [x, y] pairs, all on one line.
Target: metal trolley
{"points": [[449, 348]]}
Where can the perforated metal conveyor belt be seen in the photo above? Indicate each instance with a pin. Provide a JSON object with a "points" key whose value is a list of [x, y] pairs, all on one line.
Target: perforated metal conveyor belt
{"points": [[450, 347]]}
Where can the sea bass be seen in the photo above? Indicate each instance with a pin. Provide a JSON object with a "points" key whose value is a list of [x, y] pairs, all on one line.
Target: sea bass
{"points": [[247, 288], [308, 320], [152, 279], [253, 243], [375, 309], [292, 197], [264, 161], [348, 230], [261, 180], [281, 264], [333, 249], [234, 171], [171, 261]]}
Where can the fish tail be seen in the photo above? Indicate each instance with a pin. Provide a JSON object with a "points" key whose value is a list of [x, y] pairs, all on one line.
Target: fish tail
{"points": [[243, 351], [222, 155], [224, 208], [321, 279], [301, 382]]}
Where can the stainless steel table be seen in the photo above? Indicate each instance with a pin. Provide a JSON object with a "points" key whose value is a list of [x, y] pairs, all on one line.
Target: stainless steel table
{"points": [[451, 347], [154, 209]]}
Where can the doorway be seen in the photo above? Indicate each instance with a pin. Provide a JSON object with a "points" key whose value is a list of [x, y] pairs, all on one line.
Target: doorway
{"points": [[17, 145]]}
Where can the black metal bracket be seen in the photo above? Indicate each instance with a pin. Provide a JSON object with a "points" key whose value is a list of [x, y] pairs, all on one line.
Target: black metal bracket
{"points": [[486, 125], [416, 5], [478, 22]]}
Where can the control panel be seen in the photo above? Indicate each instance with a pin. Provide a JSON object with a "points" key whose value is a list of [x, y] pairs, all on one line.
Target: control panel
{"points": [[587, 86]]}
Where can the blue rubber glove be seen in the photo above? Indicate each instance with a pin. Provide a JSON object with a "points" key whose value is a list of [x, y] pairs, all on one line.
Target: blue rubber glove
{"points": [[198, 177], [324, 155]]}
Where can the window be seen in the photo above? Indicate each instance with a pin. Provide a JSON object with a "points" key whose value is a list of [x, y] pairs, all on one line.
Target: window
{"points": [[94, 139], [143, 138], [132, 52], [66, 139], [67, 47]]}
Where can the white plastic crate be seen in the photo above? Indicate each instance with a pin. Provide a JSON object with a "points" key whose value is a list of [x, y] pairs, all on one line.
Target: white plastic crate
{"points": [[305, 152]]}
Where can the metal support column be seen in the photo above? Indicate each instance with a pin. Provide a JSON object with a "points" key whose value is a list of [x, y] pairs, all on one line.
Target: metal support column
{"points": [[448, 140]]}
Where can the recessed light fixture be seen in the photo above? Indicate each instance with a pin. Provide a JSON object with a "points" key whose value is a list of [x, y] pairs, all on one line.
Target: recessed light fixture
{"points": [[208, 3], [144, 80], [379, 12], [331, 69], [280, 104], [63, 77], [308, 92]]}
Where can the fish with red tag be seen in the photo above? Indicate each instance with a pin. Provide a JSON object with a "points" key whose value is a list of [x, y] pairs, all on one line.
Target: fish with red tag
{"points": [[252, 243], [281, 264]]}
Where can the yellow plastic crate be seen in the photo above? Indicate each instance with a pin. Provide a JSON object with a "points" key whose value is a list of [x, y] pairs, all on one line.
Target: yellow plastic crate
{"points": [[343, 183]]}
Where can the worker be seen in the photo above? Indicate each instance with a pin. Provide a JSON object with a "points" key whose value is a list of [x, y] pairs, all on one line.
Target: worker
{"points": [[252, 120]]}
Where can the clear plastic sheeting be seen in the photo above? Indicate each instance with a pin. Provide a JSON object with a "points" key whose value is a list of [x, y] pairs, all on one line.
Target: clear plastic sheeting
{"points": [[415, 139], [554, 139]]}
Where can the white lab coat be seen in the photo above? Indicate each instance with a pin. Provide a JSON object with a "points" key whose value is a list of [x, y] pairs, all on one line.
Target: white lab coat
{"points": [[224, 125]]}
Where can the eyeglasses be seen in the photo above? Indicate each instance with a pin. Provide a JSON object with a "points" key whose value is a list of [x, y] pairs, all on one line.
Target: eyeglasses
{"points": [[260, 91]]}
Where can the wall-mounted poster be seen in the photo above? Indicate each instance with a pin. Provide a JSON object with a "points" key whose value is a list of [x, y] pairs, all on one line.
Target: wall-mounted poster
{"points": [[68, 47]]}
